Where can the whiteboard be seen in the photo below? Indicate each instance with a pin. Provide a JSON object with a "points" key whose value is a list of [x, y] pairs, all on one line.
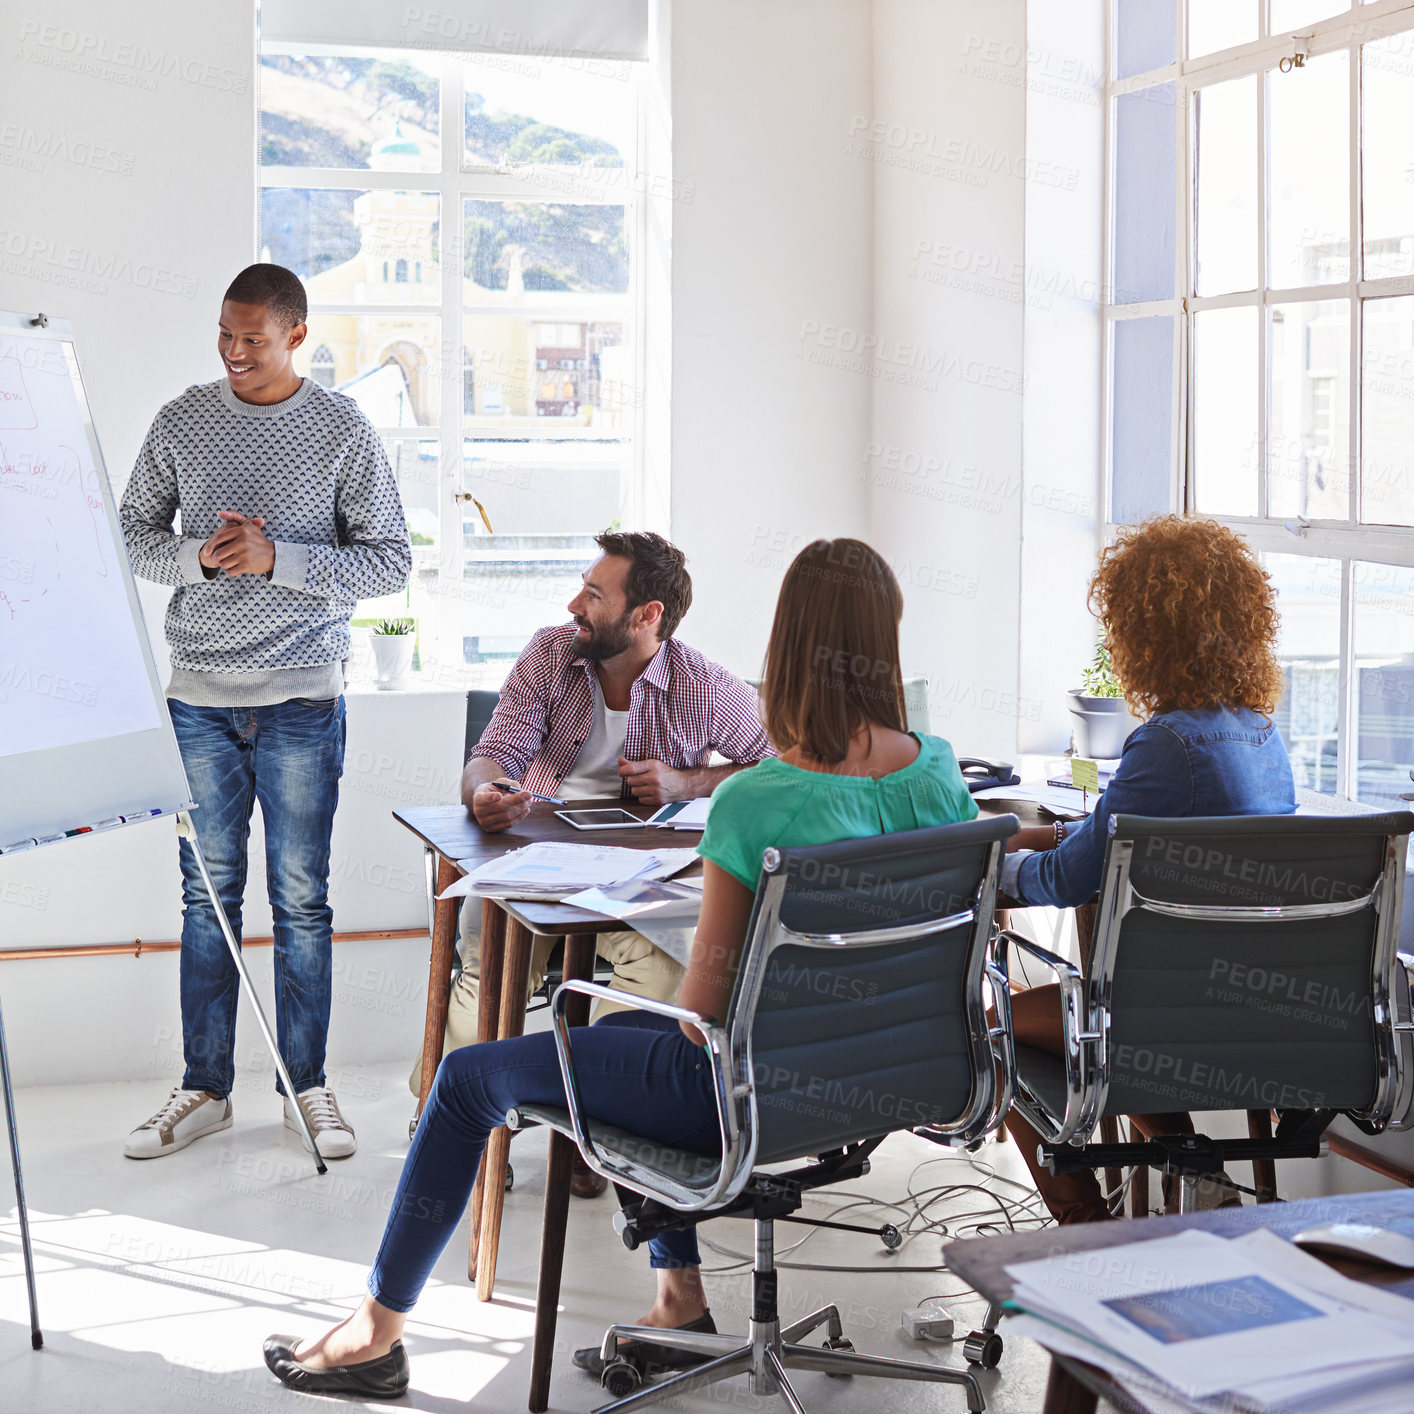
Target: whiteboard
{"points": [[85, 738]]}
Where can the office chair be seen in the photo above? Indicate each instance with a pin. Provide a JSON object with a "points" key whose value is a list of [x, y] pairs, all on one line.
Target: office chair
{"points": [[1239, 963], [480, 704], [858, 1010]]}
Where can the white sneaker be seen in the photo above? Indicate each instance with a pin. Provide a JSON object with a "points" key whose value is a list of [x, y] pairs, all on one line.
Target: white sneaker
{"points": [[187, 1115], [332, 1132]]}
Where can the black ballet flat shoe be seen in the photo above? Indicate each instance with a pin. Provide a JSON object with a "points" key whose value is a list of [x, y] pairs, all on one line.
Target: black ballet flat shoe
{"points": [[383, 1378], [650, 1358]]}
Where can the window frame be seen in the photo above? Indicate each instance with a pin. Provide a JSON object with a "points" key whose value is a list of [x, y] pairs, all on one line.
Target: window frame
{"points": [[455, 181], [1347, 541]]}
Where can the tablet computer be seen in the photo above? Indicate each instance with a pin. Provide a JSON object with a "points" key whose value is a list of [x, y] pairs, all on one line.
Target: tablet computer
{"points": [[599, 819]]}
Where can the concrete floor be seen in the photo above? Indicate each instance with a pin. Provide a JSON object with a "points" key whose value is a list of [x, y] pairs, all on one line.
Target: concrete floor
{"points": [[158, 1280]]}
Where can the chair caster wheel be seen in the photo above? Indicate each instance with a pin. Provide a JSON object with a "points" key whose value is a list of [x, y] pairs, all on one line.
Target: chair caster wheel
{"points": [[983, 1349], [621, 1377], [891, 1237], [846, 1345]]}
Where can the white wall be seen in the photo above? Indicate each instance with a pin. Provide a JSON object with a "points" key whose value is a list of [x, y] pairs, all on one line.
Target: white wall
{"points": [[1063, 66], [775, 241], [943, 459]]}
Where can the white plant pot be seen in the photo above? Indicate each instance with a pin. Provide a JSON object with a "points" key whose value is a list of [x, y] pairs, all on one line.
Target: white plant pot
{"points": [[1099, 725], [392, 654]]}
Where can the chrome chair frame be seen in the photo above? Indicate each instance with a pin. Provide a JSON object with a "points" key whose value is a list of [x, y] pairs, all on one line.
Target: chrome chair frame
{"points": [[730, 1050], [771, 1348], [1086, 1001]]}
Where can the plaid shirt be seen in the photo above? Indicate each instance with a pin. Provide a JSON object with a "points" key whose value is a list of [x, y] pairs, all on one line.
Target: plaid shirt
{"points": [[681, 708]]}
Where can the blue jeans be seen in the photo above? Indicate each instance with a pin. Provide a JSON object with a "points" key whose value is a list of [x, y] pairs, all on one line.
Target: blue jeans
{"points": [[289, 757], [635, 1070]]}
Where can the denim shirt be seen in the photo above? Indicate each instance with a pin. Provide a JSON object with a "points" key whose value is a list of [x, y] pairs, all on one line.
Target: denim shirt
{"points": [[1211, 761]]}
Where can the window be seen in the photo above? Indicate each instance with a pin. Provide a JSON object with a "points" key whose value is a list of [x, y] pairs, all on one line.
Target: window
{"points": [[1260, 335], [477, 294], [321, 365]]}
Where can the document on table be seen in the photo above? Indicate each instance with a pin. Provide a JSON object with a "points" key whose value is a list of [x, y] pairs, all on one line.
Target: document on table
{"points": [[1196, 1321], [682, 814], [1065, 801], [664, 911], [549, 871]]}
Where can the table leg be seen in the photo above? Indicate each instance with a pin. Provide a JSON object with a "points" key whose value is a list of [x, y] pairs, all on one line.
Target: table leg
{"points": [[488, 1025], [579, 962], [1139, 1184], [1264, 1171], [514, 976], [439, 972], [1065, 1394]]}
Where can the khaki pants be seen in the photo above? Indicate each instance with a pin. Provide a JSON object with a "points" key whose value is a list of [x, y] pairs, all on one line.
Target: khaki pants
{"points": [[639, 968]]}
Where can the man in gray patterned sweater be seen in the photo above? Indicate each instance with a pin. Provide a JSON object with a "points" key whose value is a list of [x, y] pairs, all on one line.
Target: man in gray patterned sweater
{"points": [[289, 516]]}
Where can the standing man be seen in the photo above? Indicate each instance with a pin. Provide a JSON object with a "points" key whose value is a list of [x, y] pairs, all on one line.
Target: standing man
{"points": [[610, 704], [289, 516]]}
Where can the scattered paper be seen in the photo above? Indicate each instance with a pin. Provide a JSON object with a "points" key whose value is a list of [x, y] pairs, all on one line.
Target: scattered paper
{"points": [[1065, 801], [1196, 1321], [549, 871]]}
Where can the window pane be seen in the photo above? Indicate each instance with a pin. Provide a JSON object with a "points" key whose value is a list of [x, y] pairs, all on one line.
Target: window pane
{"points": [[1146, 36], [525, 246], [388, 364], [547, 500], [1225, 411], [1145, 167], [1308, 645], [1387, 139], [1308, 431], [520, 368], [1387, 412], [1309, 122], [549, 112], [355, 247], [1141, 403], [1219, 24], [374, 111], [415, 464], [1288, 15], [1226, 186], [1384, 665]]}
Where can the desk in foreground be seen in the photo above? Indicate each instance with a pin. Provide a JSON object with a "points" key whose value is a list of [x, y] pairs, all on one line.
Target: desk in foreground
{"points": [[1075, 1387]]}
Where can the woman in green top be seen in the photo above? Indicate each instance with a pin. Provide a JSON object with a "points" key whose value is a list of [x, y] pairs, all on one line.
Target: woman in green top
{"points": [[833, 699]]}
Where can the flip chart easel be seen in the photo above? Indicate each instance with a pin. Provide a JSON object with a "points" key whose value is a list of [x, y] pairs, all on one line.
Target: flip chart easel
{"points": [[86, 742]]}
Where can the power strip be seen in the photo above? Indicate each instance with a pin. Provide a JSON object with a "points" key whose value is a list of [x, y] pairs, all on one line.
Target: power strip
{"points": [[928, 1323]]}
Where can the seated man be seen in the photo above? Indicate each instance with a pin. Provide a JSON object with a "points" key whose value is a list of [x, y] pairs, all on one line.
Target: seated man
{"points": [[608, 705]]}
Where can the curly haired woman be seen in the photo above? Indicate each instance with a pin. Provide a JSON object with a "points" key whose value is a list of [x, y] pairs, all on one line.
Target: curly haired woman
{"points": [[1190, 619]]}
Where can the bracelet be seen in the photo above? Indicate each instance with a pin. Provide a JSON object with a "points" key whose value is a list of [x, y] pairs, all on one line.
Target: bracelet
{"points": [[1059, 828]]}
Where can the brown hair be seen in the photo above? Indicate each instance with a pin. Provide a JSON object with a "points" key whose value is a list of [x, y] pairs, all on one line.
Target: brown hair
{"points": [[1190, 616], [657, 570], [832, 664]]}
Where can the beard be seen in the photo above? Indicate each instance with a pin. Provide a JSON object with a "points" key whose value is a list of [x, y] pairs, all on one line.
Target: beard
{"points": [[607, 641]]}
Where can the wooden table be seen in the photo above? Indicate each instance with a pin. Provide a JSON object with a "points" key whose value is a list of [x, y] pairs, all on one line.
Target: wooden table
{"points": [[450, 833], [1075, 1387]]}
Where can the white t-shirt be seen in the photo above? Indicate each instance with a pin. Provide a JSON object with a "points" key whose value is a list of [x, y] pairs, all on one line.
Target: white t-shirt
{"points": [[595, 772]]}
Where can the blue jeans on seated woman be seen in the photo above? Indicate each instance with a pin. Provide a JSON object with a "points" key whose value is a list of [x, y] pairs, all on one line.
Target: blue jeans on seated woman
{"points": [[635, 1070]]}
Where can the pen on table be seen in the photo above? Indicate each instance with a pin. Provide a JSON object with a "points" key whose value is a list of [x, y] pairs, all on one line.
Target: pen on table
{"points": [[533, 794]]}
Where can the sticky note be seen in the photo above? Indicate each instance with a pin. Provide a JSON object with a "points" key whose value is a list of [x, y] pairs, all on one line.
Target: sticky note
{"points": [[1085, 775]]}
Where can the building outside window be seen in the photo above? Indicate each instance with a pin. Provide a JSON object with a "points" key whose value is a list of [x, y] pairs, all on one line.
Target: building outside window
{"points": [[466, 229], [1260, 335]]}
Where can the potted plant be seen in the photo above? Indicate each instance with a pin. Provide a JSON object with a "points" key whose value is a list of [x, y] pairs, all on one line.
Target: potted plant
{"points": [[1101, 720], [393, 641]]}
